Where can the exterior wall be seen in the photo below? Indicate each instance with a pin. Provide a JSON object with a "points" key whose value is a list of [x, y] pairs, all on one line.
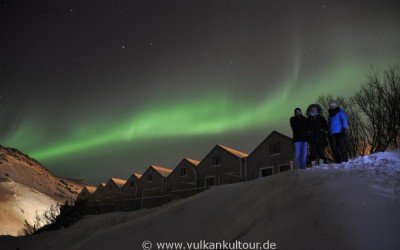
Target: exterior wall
{"points": [[154, 187], [111, 189], [98, 193], [229, 171], [93, 204], [261, 157], [130, 186], [112, 199], [178, 182], [151, 192], [84, 194]]}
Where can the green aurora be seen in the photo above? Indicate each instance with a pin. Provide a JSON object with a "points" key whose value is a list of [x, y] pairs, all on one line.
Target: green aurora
{"points": [[93, 91], [222, 113]]}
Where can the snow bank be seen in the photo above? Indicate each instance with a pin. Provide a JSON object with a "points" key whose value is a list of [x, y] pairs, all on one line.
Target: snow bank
{"points": [[382, 168], [354, 205]]}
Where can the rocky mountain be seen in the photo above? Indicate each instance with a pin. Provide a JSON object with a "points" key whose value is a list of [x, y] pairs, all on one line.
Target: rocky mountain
{"points": [[27, 189]]}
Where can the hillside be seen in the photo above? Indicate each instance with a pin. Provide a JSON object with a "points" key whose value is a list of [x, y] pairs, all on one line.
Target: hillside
{"points": [[26, 187], [348, 206]]}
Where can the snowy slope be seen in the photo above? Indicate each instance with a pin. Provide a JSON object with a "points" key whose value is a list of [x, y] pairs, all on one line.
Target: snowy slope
{"points": [[349, 206], [26, 187], [22, 204]]}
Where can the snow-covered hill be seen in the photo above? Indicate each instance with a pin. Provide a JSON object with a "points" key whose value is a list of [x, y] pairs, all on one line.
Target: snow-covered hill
{"points": [[22, 203], [348, 206], [26, 187]]}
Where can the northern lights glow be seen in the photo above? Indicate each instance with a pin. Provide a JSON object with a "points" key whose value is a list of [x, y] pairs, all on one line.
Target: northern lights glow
{"points": [[154, 81], [214, 114]]}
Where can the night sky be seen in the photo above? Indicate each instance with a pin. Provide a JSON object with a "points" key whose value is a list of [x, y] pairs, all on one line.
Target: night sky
{"points": [[94, 89]]}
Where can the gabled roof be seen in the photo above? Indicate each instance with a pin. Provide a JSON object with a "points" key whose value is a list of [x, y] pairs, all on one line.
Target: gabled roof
{"points": [[272, 133], [119, 182], [100, 187], [192, 161], [234, 152], [161, 170], [135, 176], [90, 189]]}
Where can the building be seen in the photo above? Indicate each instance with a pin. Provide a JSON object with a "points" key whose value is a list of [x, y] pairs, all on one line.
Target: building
{"points": [[130, 193], [86, 193], [112, 198], [152, 186], [182, 180], [99, 192], [153, 181], [273, 155], [130, 187], [92, 206], [222, 165], [113, 187]]}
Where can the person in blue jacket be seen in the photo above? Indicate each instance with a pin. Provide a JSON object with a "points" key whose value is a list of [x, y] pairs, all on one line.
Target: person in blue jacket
{"points": [[338, 130]]}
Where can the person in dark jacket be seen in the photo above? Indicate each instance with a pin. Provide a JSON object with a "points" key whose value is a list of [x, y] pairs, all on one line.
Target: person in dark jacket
{"points": [[317, 127], [338, 130], [298, 123]]}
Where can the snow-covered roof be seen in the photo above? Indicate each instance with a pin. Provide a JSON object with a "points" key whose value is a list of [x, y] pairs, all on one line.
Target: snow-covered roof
{"points": [[235, 152], [119, 182], [91, 189], [162, 170], [192, 161]]}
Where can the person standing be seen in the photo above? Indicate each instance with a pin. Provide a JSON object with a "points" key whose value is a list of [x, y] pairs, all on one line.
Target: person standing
{"points": [[338, 130], [317, 127], [298, 123]]}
